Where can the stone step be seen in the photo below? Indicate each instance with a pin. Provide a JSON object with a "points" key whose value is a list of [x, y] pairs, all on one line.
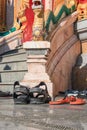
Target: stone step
{"points": [[7, 86], [12, 76], [10, 42], [13, 65], [19, 49], [13, 57]]}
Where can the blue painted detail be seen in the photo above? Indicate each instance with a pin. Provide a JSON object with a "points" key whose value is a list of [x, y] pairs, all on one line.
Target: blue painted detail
{"points": [[8, 32]]}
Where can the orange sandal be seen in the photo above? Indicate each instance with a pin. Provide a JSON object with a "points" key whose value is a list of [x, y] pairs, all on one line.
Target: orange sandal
{"points": [[63, 101], [79, 101]]}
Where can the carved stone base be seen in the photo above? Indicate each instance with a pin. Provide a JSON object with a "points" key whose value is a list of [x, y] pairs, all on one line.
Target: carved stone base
{"points": [[36, 62]]}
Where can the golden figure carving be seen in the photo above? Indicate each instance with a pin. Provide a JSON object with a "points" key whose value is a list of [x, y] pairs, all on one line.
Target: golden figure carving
{"points": [[38, 20], [20, 13]]}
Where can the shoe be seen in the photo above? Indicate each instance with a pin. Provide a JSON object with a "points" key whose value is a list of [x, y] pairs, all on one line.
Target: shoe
{"points": [[72, 93], [78, 101], [65, 100], [69, 93], [83, 94]]}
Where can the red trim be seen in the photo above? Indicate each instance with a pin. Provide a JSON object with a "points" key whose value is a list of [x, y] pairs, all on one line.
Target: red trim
{"points": [[43, 2]]}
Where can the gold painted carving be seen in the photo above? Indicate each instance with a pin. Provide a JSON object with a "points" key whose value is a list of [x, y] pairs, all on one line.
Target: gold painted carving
{"points": [[38, 20], [38, 25], [20, 13]]}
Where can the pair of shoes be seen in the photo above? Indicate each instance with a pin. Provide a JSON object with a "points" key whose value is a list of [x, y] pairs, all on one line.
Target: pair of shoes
{"points": [[36, 95], [69, 100]]}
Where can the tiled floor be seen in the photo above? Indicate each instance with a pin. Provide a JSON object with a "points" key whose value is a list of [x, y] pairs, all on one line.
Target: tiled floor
{"points": [[42, 117]]}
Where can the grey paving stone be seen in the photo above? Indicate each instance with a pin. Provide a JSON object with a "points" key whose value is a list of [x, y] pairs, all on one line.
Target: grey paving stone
{"points": [[42, 117]]}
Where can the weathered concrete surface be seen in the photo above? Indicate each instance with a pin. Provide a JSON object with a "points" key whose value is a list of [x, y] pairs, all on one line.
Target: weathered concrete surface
{"points": [[42, 117]]}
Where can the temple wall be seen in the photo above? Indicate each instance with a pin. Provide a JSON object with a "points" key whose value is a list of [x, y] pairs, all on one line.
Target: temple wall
{"points": [[61, 76], [65, 47]]}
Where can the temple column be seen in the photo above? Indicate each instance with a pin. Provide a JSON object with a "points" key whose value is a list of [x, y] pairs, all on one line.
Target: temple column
{"points": [[36, 61]]}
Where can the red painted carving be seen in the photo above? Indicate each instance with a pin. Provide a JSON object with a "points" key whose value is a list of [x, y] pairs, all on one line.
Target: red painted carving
{"points": [[27, 33], [82, 1]]}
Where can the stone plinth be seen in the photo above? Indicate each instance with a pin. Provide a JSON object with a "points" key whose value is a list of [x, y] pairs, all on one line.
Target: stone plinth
{"points": [[36, 61]]}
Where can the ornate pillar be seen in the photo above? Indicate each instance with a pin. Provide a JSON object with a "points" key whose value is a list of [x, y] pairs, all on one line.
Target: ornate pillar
{"points": [[36, 61]]}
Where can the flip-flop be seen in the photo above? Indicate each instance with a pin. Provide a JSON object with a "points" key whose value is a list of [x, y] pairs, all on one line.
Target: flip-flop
{"points": [[79, 101], [65, 100], [61, 101]]}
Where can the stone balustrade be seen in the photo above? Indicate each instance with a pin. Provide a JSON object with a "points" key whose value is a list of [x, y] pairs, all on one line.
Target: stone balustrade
{"points": [[10, 41]]}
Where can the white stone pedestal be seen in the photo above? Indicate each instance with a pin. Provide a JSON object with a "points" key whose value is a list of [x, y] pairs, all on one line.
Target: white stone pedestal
{"points": [[36, 61]]}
